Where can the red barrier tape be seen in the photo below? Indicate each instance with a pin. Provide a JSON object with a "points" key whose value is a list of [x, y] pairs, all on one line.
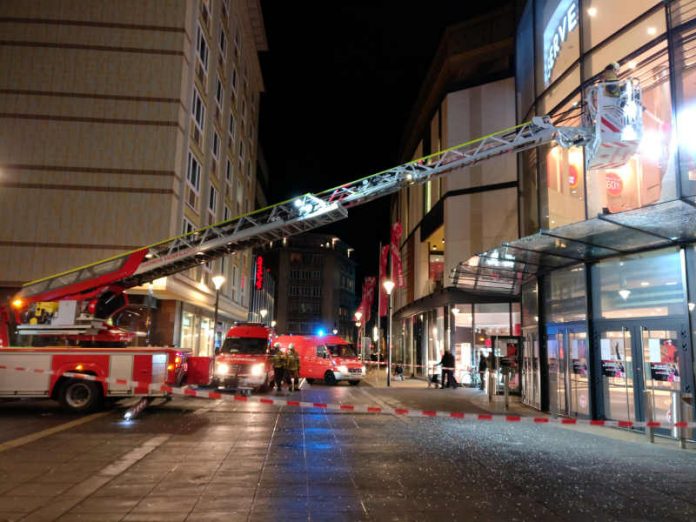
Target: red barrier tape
{"points": [[164, 389]]}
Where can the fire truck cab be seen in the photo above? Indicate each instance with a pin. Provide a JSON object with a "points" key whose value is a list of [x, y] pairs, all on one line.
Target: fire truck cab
{"points": [[243, 362]]}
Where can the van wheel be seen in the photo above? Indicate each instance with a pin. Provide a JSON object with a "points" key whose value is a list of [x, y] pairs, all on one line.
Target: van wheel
{"points": [[80, 396], [330, 378], [309, 381], [354, 383]]}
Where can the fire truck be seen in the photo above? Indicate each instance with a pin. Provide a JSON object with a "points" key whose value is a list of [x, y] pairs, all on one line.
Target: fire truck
{"points": [[78, 308], [243, 362]]}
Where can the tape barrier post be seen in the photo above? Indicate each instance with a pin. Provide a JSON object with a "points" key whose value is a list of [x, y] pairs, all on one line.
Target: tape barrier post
{"points": [[506, 385], [185, 391], [648, 415]]}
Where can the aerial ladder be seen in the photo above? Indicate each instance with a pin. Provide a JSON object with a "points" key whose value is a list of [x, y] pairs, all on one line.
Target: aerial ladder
{"points": [[610, 131]]}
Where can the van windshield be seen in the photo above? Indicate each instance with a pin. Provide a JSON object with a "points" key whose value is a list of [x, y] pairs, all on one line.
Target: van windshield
{"points": [[253, 345], [342, 350]]}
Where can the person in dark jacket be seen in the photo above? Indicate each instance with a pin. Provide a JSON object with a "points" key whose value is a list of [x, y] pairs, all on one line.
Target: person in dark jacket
{"points": [[447, 363], [482, 367]]}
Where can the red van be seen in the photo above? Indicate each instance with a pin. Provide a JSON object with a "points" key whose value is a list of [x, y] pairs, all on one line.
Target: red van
{"points": [[243, 360], [328, 357]]}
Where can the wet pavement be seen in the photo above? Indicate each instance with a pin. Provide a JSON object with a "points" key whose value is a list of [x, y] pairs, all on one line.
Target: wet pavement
{"points": [[219, 460]]}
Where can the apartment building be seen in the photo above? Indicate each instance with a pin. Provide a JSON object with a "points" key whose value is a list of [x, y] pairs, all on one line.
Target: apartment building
{"points": [[126, 123]]}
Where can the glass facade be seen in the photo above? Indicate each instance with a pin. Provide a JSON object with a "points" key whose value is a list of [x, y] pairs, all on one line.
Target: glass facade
{"points": [[613, 338]]}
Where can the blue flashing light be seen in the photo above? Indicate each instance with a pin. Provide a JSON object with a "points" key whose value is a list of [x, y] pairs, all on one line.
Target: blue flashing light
{"points": [[321, 332]]}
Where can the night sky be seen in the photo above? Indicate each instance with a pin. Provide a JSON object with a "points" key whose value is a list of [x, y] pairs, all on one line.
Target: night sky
{"points": [[339, 92]]}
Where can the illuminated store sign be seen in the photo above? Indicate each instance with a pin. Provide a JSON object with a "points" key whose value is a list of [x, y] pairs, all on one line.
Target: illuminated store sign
{"points": [[563, 21], [259, 273]]}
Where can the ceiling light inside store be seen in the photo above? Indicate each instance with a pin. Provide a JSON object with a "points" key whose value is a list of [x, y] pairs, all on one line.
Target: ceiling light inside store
{"points": [[624, 293], [632, 64], [692, 306], [592, 11], [644, 283], [652, 31]]}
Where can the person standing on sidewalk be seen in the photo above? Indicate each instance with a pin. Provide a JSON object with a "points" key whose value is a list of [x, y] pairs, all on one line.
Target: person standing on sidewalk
{"points": [[279, 362], [293, 370], [447, 363], [482, 367]]}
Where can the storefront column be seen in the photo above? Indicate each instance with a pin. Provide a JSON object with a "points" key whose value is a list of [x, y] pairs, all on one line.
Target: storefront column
{"points": [[543, 351], [595, 381]]}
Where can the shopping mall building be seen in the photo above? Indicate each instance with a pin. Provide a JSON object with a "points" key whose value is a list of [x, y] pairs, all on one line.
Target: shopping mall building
{"points": [[593, 271]]}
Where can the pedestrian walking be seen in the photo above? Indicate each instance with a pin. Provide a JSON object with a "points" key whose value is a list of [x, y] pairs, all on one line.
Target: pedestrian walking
{"points": [[447, 363], [482, 367], [293, 370], [279, 362]]}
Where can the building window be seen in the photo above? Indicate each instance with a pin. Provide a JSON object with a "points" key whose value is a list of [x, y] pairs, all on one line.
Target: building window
{"points": [[193, 181], [241, 151], [233, 79], [228, 171], [187, 227], [230, 127], [603, 18], [202, 48], [223, 44], [226, 214], [219, 93], [212, 200], [237, 44], [216, 145], [198, 110]]}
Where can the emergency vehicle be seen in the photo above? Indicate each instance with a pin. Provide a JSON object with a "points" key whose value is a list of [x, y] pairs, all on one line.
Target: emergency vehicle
{"points": [[46, 373], [327, 358], [79, 307], [244, 360]]}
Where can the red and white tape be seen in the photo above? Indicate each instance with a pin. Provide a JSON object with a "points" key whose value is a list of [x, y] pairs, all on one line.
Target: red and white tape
{"points": [[186, 391]]}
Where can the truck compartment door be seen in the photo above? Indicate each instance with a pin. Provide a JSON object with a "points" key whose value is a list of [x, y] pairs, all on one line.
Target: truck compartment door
{"points": [[29, 383]]}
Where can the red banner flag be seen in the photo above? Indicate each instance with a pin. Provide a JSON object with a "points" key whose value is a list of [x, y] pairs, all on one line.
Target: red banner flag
{"points": [[398, 273], [368, 297], [383, 258]]}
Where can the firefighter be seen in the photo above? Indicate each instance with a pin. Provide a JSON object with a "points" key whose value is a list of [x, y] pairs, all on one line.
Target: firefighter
{"points": [[611, 74], [293, 370], [279, 362]]}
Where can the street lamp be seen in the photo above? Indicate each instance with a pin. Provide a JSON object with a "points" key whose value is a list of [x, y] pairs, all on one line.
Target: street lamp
{"points": [[273, 323], [388, 287], [263, 313], [218, 281]]}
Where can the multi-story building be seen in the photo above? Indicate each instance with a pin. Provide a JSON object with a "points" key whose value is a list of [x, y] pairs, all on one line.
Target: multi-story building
{"points": [[468, 92], [315, 289], [126, 123], [606, 265]]}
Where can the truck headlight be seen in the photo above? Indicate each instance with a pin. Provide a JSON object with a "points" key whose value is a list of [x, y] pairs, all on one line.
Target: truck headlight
{"points": [[364, 370], [222, 369], [257, 369], [342, 368]]}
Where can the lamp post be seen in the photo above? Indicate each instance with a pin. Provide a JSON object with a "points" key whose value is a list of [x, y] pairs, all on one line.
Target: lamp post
{"points": [[263, 312], [218, 281], [358, 316], [388, 287]]}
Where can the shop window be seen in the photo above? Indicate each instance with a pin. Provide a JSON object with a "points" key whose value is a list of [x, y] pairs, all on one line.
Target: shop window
{"points": [[530, 304], [490, 320], [625, 43], [685, 68], [529, 200], [646, 285], [603, 18], [463, 340], [650, 175], [524, 63], [682, 11], [559, 91], [436, 270], [558, 41], [566, 295]]}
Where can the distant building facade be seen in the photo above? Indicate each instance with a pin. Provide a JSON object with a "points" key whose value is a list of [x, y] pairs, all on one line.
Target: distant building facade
{"points": [[469, 92], [315, 284], [125, 126]]}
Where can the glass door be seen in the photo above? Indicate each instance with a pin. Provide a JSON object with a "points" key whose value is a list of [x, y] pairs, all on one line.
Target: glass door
{"points": [[661, 371], [579, 390], [616, 348]]}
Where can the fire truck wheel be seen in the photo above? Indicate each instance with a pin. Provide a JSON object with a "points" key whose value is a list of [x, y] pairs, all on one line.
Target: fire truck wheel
{"points": [[330, 378], [80, 396], [309, 381]]}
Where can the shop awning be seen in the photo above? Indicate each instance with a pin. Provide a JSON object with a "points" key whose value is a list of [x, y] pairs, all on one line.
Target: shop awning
{"points": [[503, 270], [447, 296]]}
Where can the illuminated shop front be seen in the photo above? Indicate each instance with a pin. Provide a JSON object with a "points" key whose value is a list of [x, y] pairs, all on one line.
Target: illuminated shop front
{"points": [[605, 270]]}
